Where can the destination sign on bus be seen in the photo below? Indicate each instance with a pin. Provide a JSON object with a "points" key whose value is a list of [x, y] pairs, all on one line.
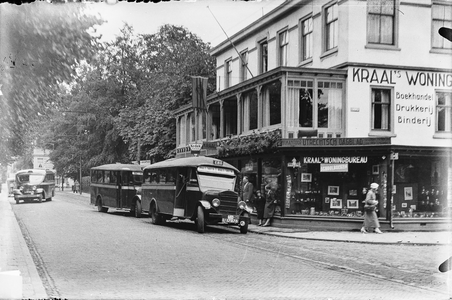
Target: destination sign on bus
{"points": [[215, 170]]}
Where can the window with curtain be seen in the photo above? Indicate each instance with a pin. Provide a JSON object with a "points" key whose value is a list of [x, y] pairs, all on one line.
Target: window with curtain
{"points": [[283, 45], [306, 39], [329, 105], [274, 102], [228, 74], [331, 27], [252, 110], [441, 17], [263, 56], [244, 66], [444, 111], [381, 105], [300, 103], [381, 16]]}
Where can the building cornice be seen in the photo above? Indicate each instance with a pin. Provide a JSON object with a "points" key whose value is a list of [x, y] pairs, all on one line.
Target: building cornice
{"points": [[394, 67]]}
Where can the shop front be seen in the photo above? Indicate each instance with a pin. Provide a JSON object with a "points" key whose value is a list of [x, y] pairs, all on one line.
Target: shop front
{"points": [[321, 183]]}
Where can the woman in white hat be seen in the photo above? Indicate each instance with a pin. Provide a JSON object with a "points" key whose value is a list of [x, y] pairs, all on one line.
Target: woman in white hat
{"points": [[370, 205]]}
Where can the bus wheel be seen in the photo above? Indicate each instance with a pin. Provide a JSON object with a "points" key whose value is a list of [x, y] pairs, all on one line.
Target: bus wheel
{"points": [[17, 201], [40, 198], [244, 225], [201, 226], [155, 218], [100, 208], [137, 209]]}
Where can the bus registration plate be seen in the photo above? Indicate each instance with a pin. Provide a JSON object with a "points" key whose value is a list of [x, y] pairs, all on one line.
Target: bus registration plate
{"points": [[231, 219]]}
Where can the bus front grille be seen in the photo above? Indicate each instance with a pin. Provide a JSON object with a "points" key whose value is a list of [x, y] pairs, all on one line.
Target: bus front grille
{"points": [[228, 203]]}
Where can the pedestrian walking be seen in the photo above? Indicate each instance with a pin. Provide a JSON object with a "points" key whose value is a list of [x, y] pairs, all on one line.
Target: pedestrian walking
{"points": [[270, 203], [370, 215], [259, 203]]}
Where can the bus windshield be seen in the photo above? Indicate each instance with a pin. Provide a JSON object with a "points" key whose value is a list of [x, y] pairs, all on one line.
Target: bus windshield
{"points": [[216, 178], [30, 178]]}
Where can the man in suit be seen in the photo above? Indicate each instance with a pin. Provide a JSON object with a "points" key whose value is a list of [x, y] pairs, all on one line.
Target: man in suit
{"points": [[248, 190]]}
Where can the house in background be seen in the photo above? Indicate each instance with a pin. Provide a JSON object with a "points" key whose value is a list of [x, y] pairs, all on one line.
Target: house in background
{"points": [[324, 98], [41, 159]]}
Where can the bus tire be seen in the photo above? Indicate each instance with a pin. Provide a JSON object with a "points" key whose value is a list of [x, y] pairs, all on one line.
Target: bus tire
{"points": [[200, 224], [155, 218], [244, 228], [100, 208], [137, 209], [40, 198], [17, 201]]}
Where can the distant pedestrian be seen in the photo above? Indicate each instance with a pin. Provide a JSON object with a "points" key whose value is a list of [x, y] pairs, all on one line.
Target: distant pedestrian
{"points": [[259, 203], [77, 186], [270, 203], [370, 215]]}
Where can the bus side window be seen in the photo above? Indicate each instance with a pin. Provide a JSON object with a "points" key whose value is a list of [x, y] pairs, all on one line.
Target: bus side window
{"points": [[193, 180], [113, 177], [155, 176], [147, 176], [162, 174], [100, 176], [94, 176], [171, 175], [107, 177]]}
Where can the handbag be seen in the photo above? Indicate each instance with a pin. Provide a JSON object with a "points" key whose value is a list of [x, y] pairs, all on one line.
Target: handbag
{"points": [[368, 207]]}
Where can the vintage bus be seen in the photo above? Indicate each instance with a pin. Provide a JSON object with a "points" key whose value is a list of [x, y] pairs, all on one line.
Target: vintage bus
{"points": [[201, 189], [34, 184], [115, 186]]}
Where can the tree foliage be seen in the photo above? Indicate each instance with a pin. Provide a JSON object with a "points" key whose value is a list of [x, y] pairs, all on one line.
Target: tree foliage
{"points": [[124, 100], [40, 45], [168, 60]]}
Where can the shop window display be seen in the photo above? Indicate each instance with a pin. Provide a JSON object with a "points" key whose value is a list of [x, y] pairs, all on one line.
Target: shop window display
{"points": [[420, 189], [312, 190]]}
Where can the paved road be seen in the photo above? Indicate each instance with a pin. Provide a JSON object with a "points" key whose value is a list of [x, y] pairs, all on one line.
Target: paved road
{"points": [[84, 254]]}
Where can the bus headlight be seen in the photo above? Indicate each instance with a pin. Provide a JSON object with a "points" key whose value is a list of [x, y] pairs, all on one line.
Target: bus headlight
{"points": [[242, 205], [216, 202], [34, 188]]}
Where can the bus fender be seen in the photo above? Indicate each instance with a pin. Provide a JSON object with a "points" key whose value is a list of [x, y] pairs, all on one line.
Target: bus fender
{"points": [[153, 202], [39, 190], [205, 204]]}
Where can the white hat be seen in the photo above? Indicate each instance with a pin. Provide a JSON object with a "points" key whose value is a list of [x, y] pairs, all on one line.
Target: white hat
{"points": [[374, 185]]}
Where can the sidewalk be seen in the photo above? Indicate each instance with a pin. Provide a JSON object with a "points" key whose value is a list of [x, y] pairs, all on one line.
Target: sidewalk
{"points": [[411, 238], [14, 253]]}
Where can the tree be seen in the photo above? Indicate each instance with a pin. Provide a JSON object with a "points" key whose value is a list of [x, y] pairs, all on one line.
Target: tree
{"points": [[40, 45], [169, 59]]}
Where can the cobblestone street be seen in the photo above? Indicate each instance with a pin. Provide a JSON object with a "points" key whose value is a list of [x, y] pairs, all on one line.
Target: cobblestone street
{"points": [[84, 254]]}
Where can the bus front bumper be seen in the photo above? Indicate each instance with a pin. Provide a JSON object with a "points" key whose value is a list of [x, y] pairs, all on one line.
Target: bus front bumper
{"points": [[216, 218]]}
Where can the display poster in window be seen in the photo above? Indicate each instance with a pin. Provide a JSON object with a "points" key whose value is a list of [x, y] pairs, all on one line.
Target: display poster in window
{"points": [[288, 190]]}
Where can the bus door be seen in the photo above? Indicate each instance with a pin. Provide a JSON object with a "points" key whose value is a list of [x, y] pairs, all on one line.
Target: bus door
{"points": [[193, 194], [126, 189], [181, 191]]}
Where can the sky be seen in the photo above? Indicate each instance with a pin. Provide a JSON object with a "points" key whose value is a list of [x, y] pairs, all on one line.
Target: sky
{"points": [[196, 15]]}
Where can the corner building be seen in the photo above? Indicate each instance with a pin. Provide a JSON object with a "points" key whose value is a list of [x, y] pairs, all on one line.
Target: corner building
{"points": [[324, 98]]}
